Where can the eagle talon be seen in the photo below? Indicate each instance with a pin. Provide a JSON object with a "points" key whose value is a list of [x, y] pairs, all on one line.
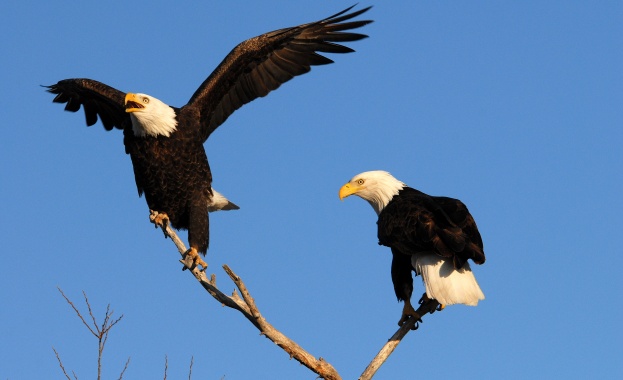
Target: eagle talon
{"points": [[408, 312], [405, 319], [159, 219], [162, 220], [196, 260], [188, 263]]}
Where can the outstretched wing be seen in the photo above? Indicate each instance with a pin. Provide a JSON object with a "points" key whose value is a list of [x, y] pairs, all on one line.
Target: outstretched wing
{"points": [[261, 64], [415, 222], [96, 98]]}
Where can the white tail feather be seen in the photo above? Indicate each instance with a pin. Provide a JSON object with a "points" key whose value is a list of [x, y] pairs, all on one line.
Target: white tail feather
{"points": [[218, 202], [444, 283]]}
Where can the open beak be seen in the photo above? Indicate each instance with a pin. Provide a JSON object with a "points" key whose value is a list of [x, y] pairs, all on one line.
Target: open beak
{"points": [[133, 103]]}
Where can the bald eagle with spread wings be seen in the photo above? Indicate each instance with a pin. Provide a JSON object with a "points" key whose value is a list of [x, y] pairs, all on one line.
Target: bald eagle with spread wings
{"points": [[433, 236], [165, 143]]}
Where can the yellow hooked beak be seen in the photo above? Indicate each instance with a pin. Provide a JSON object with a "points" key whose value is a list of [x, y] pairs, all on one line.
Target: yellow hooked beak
{"points": [[134, 102], [348, 189]]}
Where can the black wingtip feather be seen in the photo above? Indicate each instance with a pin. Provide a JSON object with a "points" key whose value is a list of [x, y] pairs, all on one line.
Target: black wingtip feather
{"points": [[336, 17], [72, 105], [98, 100]]}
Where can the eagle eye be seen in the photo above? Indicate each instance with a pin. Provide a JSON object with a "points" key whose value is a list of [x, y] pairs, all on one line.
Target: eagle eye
{"points": [[360, 181], [145, 100]]}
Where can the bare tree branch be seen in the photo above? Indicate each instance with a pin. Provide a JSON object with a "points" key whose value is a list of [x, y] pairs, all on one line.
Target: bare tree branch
{"points": [[427, 307], [101, 333], [248, 308], [190, 372], [61, 363], [86, 300], [127, 363], [246, 305], [166, 366], [319, 366], [77, 311]]}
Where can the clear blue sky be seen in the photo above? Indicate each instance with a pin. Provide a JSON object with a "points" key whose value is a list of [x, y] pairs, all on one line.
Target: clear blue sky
{"points": [[513, 107]]}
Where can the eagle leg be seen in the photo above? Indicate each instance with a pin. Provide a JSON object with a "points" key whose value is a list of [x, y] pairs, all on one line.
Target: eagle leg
{"points": [[196, 260], [409, 311]]}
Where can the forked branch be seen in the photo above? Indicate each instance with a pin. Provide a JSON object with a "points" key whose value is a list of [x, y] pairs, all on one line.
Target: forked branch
{"points": [[100, 332], [246, 305]]}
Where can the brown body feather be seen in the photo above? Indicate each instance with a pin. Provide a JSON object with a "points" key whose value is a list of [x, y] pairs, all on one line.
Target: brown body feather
{"points": [[414, 222], [174, 174]]}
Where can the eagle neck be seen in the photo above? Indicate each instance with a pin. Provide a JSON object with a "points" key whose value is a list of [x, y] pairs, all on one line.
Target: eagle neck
{"points": [[160, 121], [382, 195]]}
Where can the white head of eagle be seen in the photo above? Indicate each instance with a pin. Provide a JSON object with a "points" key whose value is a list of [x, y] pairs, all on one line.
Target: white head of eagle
{"points": [[378, 187], [150, 116]]}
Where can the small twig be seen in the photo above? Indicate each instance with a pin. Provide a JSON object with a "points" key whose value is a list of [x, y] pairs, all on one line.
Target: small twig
{"points": [[101, 333], [77, 311], [166, 366], [61, 363], [190, 372], [127, 363], [86, 300], [246, 296]]}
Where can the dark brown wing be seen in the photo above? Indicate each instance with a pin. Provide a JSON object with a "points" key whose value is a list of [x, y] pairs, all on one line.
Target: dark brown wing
{"points": [[463, 223], [414, 222], [261, 64], [96, 98]]}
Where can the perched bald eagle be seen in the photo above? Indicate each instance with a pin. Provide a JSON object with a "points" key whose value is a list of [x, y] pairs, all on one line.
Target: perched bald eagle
{"points": [[433, 236], [165, 143]]}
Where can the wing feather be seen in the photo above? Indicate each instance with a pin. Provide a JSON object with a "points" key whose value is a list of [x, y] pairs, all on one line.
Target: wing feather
{"points": [[415, 222], [97, 100], [261, 64]]}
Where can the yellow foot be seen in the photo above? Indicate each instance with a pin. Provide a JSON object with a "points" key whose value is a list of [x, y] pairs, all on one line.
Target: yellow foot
{"points": [[196, 258], [407, 312], [160, 219]]}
